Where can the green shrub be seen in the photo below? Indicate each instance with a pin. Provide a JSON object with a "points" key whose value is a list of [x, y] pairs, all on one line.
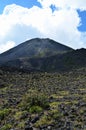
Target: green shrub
{"points": [[20, 115], [35, 109], [21, 125], [4, 113], [44, 120], [35, 99], [6, 127]]}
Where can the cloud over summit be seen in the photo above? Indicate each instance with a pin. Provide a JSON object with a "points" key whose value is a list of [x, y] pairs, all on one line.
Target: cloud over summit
{"points": [[73, 4], [18, 23]]}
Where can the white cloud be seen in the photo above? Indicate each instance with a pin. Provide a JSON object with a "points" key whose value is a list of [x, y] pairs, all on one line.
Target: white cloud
{"points": [[74, 4], [18, 23], [6, 46]]}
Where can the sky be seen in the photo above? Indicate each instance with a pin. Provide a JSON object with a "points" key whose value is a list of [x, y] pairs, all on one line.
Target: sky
{"points": [[61, 20]]}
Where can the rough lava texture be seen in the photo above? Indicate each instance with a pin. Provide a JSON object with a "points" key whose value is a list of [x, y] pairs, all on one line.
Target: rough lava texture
{"points": [[34, 48]]}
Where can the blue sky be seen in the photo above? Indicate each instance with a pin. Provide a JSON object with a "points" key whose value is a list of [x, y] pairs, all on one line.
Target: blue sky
{"points": [[62, 20], [82, 14], [24, 3]]}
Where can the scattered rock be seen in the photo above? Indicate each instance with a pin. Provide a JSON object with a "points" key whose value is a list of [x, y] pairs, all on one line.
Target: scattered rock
{"points": [[28, 127]]}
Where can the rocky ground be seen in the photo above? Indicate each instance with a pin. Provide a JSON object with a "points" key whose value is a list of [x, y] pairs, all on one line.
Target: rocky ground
{"points": [[43, 101]]}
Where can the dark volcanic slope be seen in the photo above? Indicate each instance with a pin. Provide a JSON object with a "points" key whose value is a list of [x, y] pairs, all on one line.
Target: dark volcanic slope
{"points": [[34, 48], [43, 55], [61, 62]]}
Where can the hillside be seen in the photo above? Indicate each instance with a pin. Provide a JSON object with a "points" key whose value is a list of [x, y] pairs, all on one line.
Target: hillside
{"points": [[43, 101], [43, 87], [34, 48], [43, 55], [57, 63]]}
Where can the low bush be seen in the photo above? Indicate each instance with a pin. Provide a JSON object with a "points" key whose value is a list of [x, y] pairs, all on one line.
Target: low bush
{"points": [[35, 100], [4, 113], [35, 109]]}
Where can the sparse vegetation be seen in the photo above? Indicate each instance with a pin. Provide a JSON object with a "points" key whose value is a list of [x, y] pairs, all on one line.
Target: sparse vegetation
{"points": [[44, 100]]}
